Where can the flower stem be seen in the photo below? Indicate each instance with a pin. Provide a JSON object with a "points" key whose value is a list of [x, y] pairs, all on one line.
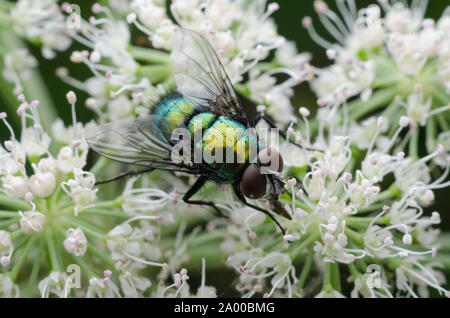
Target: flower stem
{"points": [[34, 86], [99, 165], [35, 270], [105, 212], [305, 270], [155, 73], [84, 266], [102, 257], [304, 245], [379, 99], [9, 214], [335, 276], [414, 145], [355, 237], [29, 244], [12, 203], [56, 263], [150, 55], [89, 228], [327, 285]]}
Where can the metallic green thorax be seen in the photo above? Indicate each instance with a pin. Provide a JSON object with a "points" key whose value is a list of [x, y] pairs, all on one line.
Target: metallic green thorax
{"points": [[221, 136]]}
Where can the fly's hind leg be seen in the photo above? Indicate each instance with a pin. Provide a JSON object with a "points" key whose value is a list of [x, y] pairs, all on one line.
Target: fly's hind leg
{"points": [[194, 189], [272, 125], [126, 174]]}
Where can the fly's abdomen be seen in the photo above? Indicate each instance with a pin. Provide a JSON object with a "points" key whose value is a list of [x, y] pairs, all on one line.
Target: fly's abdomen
{"points": [[224, 143], [172, 113]]}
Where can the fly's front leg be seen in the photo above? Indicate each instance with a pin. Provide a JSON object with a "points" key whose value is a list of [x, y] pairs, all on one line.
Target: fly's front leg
{"points": [[194, 189], [272, 125], [242, 198]]}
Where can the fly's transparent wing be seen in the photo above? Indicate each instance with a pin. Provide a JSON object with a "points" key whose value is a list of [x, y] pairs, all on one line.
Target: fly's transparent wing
{"points": [[200, 76], [136, 141]]}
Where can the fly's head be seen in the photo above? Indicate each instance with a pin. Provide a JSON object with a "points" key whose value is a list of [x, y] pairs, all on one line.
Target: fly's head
{"points": [[262, 179]]}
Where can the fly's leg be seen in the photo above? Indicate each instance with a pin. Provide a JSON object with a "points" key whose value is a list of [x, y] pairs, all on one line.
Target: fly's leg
{"points": [[242, 198], [194, 189], [272, 125], [126, 174]]}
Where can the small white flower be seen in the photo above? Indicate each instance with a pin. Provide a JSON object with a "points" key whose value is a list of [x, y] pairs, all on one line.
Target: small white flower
{"points": [[7, 287], [14, 186], [75, 242], [55, 283], [42, 184], [32, 222]]}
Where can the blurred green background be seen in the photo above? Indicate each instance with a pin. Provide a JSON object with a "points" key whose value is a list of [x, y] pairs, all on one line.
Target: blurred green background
{"points": [[288, 19]]}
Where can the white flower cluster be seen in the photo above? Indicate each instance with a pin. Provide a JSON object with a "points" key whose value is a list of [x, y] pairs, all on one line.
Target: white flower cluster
{"points": [[242, 32], [358, 203], [41, 21], [346, 214], [374, 51]]}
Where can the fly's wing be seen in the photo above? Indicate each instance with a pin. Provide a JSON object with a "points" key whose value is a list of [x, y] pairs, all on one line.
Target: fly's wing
{"points": [[201, 78], [137, 141]]}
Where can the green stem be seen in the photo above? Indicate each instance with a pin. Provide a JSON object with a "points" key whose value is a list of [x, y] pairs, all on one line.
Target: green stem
{"points": [[431, 131], [371, 208], [414, 145], [355, 237], [5, 224], [12, 203], [34, 87], [32, 286], [55, 261], [353, 270], [155, 73], [84, 266], [9, 214], [305, 270], [304, 245], [105, 212], [335, 276], [150, 55], [445, 126], [379, 99], [102, 257], [89, 228], [327, 285], [23, 256], [99, 165], [365, 221], [392, 192]]}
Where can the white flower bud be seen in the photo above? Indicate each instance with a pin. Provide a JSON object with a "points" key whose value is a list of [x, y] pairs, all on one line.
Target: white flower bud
{"points": [[14, 186], [131, 18], [42, 184], [185, 7], [71, 97], [5, 261], [5, 242], [304, 112], [407, 239], [404, 121], [95, 57], [76, 242], [9, 145], [435, 217], [32, 222]]}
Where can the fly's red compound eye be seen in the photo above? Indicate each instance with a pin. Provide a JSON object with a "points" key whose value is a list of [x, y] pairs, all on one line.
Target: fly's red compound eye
{"points": [[253, 183], [271, 159]]}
